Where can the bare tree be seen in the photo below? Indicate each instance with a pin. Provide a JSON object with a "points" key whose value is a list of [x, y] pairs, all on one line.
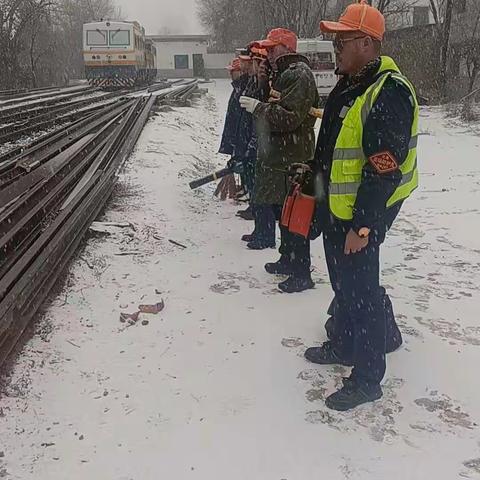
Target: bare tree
{"points": [[442, 11], [394, 7], [447, 26], [41, 40], [70, 17], [396, 12], [234, 23], [301, 16], [467, 42], [17, 20]]}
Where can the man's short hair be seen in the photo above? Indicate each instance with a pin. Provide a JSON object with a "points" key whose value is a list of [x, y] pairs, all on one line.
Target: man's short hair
{"points": [[377, 45]]}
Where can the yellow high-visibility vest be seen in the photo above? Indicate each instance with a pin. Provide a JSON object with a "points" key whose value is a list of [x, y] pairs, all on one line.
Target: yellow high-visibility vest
{"points": [[349, 157]]}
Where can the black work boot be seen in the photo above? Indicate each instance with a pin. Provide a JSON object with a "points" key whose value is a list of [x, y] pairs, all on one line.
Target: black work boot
{"points": [[326, 355], [296, 284], [248, 238], [281, 267], [257, 244], [351, 395], [246, 214]]}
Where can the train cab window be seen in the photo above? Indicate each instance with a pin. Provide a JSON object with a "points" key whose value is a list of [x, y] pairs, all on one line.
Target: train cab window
{"points": [[320, 61], [181, 62], [120, 38], [96, 38]]}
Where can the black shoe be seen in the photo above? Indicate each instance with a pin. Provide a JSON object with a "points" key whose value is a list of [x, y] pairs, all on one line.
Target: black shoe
{"points": [[240, 212], [246, 214], [256, 244], [351, 395], [241, 193], [248, 238], [282, 267], [294, 284], [326, 355]]}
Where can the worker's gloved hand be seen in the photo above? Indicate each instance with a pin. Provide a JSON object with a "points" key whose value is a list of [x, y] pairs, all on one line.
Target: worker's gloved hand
{"points": [[300, 168], [249, 103], [264, 71], [298, 171], [235, 165]]}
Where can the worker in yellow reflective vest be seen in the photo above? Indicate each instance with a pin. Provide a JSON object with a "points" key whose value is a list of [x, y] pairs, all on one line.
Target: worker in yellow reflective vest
{"points": [[366, 165]]}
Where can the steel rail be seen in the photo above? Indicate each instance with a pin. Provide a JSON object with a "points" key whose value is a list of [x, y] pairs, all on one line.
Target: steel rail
{"points": [[25, 285]]}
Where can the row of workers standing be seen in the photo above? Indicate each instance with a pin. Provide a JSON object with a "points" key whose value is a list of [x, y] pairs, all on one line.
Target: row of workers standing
{"points": [[362, 168]]}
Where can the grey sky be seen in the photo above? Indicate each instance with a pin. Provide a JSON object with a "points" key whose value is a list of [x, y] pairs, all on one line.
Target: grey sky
{"points": [[163, 16]]}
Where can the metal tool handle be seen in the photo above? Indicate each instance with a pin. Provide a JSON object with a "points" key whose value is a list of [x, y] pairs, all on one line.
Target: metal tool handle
{"points": [[210, 178]]}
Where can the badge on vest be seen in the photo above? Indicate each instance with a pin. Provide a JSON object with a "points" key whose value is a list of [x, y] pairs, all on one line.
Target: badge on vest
{"points": [[383, 162]]}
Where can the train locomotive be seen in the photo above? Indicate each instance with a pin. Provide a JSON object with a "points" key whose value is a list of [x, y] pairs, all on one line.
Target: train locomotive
{"points": [[117, 54]]}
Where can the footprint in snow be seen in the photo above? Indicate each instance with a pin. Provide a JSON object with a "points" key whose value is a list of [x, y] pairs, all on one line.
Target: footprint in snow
{"points": [[447, 411]]}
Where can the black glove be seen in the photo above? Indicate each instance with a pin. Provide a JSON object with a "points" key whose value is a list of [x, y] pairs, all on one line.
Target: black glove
{"points": [[231, 163], [297, 172], [235, 165]]}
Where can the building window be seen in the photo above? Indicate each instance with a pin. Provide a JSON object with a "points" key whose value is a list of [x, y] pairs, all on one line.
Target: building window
{"points": [[421, 16], [181, 62], [460, 6]]}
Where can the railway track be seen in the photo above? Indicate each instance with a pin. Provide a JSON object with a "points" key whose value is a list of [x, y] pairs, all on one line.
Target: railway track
{"points": [[50, 193], [18, 120], [44, 97], [25, 122], [23, 92]]}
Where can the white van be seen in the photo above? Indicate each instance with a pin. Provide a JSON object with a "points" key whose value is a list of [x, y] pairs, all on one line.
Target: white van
{"points": [[321, 55]]}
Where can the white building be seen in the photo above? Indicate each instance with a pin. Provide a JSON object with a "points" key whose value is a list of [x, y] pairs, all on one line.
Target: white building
{"points": [[186, 56], [414, 13], [181, 56]]}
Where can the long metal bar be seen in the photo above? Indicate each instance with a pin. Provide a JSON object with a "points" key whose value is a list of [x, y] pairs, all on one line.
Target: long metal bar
{"points": [[44, 99], [25, 161], [24, 287], [38, 112]]}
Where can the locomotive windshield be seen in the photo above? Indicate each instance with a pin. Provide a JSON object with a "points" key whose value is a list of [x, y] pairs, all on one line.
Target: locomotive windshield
{"points": [[320, 60], [120, 37], [97, 37]]}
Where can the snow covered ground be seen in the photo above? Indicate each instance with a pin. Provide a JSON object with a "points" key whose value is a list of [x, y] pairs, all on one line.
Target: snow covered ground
{"points": [[215, 385]]}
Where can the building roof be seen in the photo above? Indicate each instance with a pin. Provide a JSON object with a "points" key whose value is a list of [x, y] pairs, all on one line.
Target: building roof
{"points": [[179, 38]]}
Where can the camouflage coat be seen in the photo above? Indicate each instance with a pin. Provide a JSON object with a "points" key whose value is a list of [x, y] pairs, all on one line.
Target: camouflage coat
{"points": [[285, 128]]}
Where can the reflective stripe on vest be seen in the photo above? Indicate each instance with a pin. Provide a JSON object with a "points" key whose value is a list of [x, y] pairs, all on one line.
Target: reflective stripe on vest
{"points": [[349, 157], [352, 153]]}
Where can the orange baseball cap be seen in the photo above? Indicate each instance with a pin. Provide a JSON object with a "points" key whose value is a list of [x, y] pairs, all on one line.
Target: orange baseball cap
{"points": [[258, 52], [358, 17], [279, 36]]}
